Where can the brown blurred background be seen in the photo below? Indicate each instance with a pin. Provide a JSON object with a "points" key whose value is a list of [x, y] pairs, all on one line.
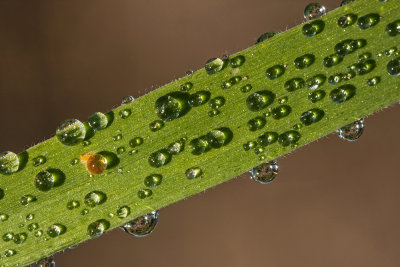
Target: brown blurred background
{"points": [[333, 204]]}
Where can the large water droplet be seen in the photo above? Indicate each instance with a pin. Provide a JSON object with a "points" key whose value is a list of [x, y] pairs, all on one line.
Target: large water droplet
{"points": [[347, 20], [44, 180], [392, 29], [289, 138], [97, 228], [311, 116], [342, 93], [159, 158], [352, 131], [313, 28], [314, 11], [98, 121], [46, 262], [368, 21], [143, 225], [275, 72], [265, 173], [56, 230], [265, 36], [9, 162], [153, 180], [193, 173], [214, 65], [95, 198], [393, 67], [259, 100], [71, 132], [172, 106], [127, 99]]}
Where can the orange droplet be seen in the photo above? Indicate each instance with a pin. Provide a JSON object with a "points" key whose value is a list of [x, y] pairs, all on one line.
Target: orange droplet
{"points": [[96, 163]]}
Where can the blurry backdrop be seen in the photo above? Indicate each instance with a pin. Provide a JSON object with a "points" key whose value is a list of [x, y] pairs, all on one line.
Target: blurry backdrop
{"points": [[333, 204]]}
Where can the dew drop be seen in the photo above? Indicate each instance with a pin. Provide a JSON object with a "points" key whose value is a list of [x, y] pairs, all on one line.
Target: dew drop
{"points": [[98, 121], [219, 137], [258, 150], [30, 217], [9, 162], [56, 229], [256, 123], [95, 198], [26, 199], [392, 29], [265, 173], [143, 193], [275, 72], [267, 138], [265, 36], [8, 237], [84, 211], [95, 163], [259, 100], [237, 61], [32, 226], [316, 81], [313, 28], [346, 47], [39, 233], [373, 81], [311, 116], [186, 86], [127, 99], [214, 65], [125, 113], [74, 161], [304, 61], [217, 102], [365, 67], [289, 138], [335, 79], [294, 84], [199, 98], [368, 21], [73, 204], [332, 60], [347, 20], [281, 112], [71, 132], [364, 56], [143, 225], [3, 217], [314, 11], [156, 125], [39, 160], [120, 150], [45, 180], [342, 93], [153, 180], [123, 212], [97, 228], [20, 238], [46, 262], [137, 141], [193, 173], [177, 147], [199, 145], [9, 253], [159, 158], [249, 145], [214, 112], [246, 88], [172, 106], [393, 67], [352, 131]]}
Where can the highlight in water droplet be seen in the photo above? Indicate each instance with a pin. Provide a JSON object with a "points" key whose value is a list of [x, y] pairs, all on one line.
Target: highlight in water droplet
{"points": [[352, 131], [265, 173], [314, 11], [143, 225]]}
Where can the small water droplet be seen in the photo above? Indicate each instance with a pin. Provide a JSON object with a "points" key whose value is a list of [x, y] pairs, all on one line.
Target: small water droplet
{"points": [[246, 88], [368, 21], [281, 112], [392, 29], [332, 60], [159, 158], [9, 253], [267, 139], [156, 125], [283, 100], [342, 93], [275, 72], [256, 123], [335, 79], [84, 211], [123, 212], [134, 151], [265, 173], [186, 86], [217, 102], [33, 226], [95, 198], [176, 147], [74, 161], [30, 217], [8, 237], [172, 106], [346, 47], [97, 228], [143, 193], [71, 132], [137, 141], [393, 67], [3, 217], [56, 230], [26, 199], [373, 81], [199, 98], [98, 121], [39, 233], [294, 84], [120, 150], [352, 131], [226, 85], [365, 67], [73, 204], [46, 262], [259, 100], [297, 126], [304, 61], [127, 99], [258, 150], [237, 61], [153, 180], [311, 116], [219, 137], [314, 11], [125, 113], [214, 112], [9, 162], [39, 160], [316, 81], [199, 145], [265, 36], [143, 225], [249, 145], [214, 65], [20, 238], [193, 173], [289, 138], [347, 20], [313, 28]]}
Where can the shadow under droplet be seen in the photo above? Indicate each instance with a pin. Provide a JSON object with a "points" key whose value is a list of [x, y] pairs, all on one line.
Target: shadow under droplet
{"points": [[23, 160]]}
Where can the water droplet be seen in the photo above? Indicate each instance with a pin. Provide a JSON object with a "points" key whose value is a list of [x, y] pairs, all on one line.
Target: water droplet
{"points": [[214, 65], [392, 29], [39, 233], [120, 150], [86, 143], [84, 211], [281, 112], [153, 180], [314, 11], [45, 180], [30, 217], [56, 230], [39, 160], [342, 93], [172, 106], [74, 161], [275, 72], [159, 158], [368, 21], [143, 225], [246, 88], [127, 99], [267, 138], [9, 162], [186, 86], [193, 173], [199, 98], [46, 262], [352, 131], [335, 79], [249, 145], [258, 150], [304, 61], [20, 238], [199, 145], [373, 81], [217, 102], [123, 212], [256, 123], [143, 193], [95, 163], [73, 204], [98, 121], [26, 199], [176, 147], [71, 132], [364, 56], [3, 217], [97, 228], [8, 237], [345, 2], [294, 84], [393, 67], [156, 125], [311, 116], [214, 112], [316, 81], [33, 226], [259, 100], [313, 28], [219, 137], [346, 47], [9, 253], [137, 141], [125, 113], [95, 198], [349, 75], [265, 36], [332, 60], [226, 85], [289, 138], [237, 61], [347, 20], [265, 173], [365, 67], [283, 100]]}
